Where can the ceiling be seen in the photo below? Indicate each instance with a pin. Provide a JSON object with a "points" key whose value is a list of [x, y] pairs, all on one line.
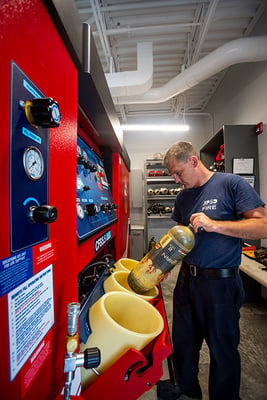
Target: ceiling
{"points": [[181, 33]]}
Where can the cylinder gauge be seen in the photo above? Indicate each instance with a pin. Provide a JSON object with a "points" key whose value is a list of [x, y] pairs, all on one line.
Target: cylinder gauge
{"points": [[33, 163]]}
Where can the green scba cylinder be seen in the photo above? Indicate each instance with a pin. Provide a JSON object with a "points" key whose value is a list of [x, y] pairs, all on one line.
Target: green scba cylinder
{"points": [[169, 251]]}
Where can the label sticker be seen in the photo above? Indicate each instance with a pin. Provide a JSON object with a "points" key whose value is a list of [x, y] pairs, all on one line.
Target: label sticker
{"points": [[14, 270], [30, 317]]}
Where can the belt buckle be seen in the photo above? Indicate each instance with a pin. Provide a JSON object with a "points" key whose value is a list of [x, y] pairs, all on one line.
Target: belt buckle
{"points": [[193, 270]]}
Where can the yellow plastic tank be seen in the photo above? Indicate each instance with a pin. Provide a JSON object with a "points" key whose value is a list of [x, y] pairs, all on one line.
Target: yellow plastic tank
{"points": [[119, 321], [125, 264], [118, 281]]}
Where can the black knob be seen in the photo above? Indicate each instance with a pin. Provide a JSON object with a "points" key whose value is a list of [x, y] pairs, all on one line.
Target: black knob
{"points": [[80, 160], [43, 214], [91, 209], [92, 357], [42, 112], [86, 188], [88, 165], [103, 207], [93, 168]]}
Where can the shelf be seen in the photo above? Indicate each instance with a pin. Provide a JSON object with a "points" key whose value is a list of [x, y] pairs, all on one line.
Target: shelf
{"points": [[159, 216], [153, 179], [154, 162], [162, 197], [157, 224]]}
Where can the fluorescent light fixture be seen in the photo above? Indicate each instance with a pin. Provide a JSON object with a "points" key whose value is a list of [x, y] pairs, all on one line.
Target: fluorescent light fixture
{"points": [[159, 128]]}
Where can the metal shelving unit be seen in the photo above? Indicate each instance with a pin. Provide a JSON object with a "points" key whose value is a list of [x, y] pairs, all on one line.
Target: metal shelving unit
{"points": [[158, 206]]}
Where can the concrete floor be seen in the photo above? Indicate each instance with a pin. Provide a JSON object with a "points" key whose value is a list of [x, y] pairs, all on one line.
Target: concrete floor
{"points": [[253, 348]]}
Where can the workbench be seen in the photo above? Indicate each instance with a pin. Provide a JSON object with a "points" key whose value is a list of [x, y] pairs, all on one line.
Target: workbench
{"points": [[254, 269]]}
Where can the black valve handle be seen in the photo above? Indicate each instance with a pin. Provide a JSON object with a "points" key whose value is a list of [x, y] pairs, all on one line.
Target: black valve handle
{"points": [[44, 214], [92, 357]]}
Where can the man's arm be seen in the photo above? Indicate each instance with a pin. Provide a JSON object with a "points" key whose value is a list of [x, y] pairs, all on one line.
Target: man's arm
{"points": [[253, 226]]}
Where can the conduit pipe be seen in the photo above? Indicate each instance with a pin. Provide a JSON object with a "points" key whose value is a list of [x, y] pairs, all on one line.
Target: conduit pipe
{"points": [[250, 49], [132, 83]]}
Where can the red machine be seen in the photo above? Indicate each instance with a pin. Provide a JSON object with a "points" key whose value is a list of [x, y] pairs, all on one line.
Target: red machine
{"points": [[64, 200]]}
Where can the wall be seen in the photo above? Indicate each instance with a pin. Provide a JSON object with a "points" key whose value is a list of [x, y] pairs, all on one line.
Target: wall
{"points": [[142, 146], [241, 99]]}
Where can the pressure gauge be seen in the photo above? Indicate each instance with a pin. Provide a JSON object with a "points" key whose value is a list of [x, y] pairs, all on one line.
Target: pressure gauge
{"points": [[33, 163], [80, 211]]}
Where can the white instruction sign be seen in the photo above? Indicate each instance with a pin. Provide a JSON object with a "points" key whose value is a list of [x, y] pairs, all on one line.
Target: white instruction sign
{"points": [[30, 316]]}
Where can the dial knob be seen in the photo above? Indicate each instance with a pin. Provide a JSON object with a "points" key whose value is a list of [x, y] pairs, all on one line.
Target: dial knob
{"points": [[91, 209], [92, 357], [109, 207], [80, 160], [103, 207], [42, 112], [44, 214], [88, 165]]}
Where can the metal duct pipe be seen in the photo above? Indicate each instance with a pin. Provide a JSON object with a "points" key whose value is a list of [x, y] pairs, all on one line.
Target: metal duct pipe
{"points": [[132, 83], [250, 49]]}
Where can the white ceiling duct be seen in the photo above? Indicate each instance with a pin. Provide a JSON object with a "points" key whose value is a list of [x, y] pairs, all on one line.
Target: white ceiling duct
{"points": [[250, 49], [132, 83]]}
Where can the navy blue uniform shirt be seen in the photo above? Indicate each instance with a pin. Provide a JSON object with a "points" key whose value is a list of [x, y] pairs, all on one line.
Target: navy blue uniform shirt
{"points": [[223, 197]]}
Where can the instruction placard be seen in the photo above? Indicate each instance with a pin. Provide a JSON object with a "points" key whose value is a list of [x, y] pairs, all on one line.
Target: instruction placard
{"points": [[14, 270], [30, 316]]}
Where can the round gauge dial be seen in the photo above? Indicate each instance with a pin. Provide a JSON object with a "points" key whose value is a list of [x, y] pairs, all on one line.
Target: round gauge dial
{"points": [[33, 163], [80, 211]]}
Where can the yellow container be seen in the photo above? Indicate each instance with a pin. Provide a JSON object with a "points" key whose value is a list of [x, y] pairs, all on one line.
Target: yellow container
{"points": [[125, 264], [118, 281], [119, 321]]}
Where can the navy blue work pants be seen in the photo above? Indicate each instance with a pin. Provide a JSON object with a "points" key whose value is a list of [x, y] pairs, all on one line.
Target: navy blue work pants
{"points": [[205, 308]]}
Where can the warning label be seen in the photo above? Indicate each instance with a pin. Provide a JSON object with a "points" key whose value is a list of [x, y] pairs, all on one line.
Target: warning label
{"points": [[30, 316]]}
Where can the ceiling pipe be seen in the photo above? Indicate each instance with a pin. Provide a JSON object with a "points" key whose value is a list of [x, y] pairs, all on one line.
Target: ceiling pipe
{"points": [[250, 49], [137, 82]]}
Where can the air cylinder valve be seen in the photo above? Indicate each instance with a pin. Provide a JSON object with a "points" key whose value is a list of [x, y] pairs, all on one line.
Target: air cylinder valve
{"points": [[89, 359]]}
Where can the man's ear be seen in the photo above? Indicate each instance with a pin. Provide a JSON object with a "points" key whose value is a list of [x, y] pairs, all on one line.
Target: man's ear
{"points": [[194, 161]]}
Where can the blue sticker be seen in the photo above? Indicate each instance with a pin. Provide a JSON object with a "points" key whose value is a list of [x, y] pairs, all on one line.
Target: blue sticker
{"points": [[15, 270], [30, 89], [31, 135]]}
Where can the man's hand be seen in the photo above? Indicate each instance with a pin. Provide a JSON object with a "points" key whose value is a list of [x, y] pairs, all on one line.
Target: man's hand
{"points": [[201, 221]]}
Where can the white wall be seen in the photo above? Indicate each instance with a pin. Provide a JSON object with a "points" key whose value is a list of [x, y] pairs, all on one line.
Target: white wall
{"points": [[242, 99], [143, 145]]}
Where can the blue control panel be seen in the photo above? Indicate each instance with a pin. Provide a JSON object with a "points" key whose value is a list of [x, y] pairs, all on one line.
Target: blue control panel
{"points": [[95, 207], [28, 165]]}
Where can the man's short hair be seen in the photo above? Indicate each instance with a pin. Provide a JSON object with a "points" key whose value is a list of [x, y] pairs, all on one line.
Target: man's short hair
{"points": [[181, 151]]}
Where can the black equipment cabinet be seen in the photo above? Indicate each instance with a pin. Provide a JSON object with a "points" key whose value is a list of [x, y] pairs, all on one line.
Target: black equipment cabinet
{"points": [[240, 142]]}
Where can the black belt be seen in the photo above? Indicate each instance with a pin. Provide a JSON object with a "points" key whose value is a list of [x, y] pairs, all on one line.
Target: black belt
{"points": [[215, 273]]}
